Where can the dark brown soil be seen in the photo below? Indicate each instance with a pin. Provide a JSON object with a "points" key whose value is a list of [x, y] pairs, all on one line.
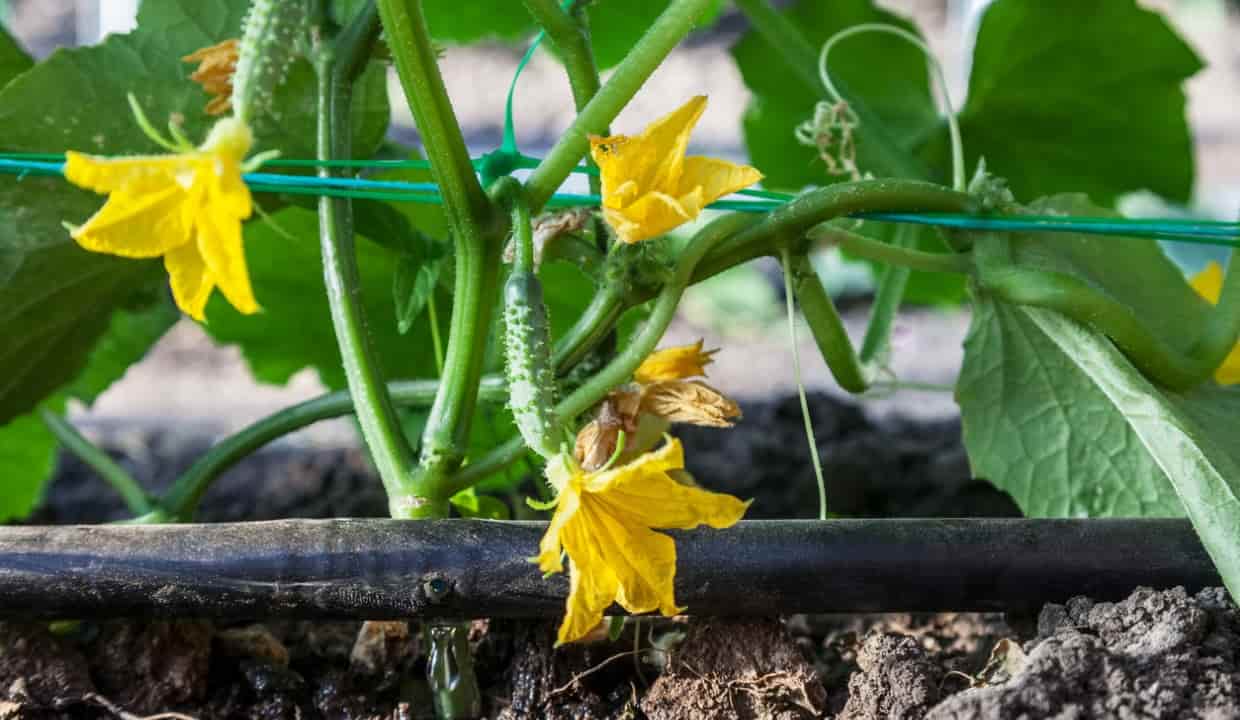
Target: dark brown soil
{"points": [[1154, 655]]}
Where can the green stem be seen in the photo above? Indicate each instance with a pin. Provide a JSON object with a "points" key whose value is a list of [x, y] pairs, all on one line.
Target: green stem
{"points": [[477, 230], [828, 328], [786, 261], [887, 299], [800, 57], [380, 427], [794, 218], [182, 498], [897, 253], [667, 31], [1081, 302], [121, 481], [573, 45], [724, 243], [593, 326], [432, 316]]}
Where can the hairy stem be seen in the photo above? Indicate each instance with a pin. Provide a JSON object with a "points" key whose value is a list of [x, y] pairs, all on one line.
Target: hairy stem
{"points": [[671, 26], [890, 253], [118, 477], [477, 231], [182, 499], [597, 321], [393, 457]]}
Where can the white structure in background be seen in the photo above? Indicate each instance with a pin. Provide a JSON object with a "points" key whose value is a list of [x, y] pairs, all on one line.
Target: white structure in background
{"points": [[97, 18], [966, 17]]}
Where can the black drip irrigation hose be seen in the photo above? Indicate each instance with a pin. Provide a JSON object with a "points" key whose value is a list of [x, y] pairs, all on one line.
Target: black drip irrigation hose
{"points": [[377, 569]]}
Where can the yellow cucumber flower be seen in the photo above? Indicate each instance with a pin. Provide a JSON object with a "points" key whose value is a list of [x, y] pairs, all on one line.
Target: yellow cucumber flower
{"points": [[216, 65], [187, 207], [650, 187], [1209, 284], [674, 363], [605, 522]]}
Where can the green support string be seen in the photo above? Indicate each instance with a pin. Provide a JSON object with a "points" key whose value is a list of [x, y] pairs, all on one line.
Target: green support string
{"points": [[1206, 232]]}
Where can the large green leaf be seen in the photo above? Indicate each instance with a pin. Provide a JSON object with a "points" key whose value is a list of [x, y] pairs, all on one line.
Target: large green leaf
{"points": [[13, 60], [1188, 441], [55, 299], [1040, 428], [1036, 423], [294, 328], [1080, 96], [28, 448]]}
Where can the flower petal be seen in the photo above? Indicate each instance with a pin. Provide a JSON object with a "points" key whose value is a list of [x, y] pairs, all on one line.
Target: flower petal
{"points": [[549, 560], [142, 225], [642, 561], [1229, 372], [219, 242], [642, 493], [715, 177], [135, 174], [593, 585], [650, 215], [652, 160], [190, 280], [674, 363]]}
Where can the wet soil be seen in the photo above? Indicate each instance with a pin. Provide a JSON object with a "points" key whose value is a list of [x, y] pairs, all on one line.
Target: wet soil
{"points": [[1157, 654]]}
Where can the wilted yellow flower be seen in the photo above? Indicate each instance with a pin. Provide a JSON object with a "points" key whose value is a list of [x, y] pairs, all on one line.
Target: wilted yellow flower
{"points": [[215, 71], [187, 207], [650, 187], [674, 363], [605, 522], [688, 401], [1209, 284]]}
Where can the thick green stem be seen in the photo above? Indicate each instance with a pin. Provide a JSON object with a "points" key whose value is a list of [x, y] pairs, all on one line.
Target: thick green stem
{"points": [[666, 32], [182, 498], [121, 481], [793, 219], [801, 58], [827, 327], [393, 457], [477, 231]]}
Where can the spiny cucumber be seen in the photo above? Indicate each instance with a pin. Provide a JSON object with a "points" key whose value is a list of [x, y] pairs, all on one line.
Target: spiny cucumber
{"points": [[269, 42]]}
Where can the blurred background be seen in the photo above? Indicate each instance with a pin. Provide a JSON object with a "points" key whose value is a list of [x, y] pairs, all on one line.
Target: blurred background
{"points": [[208, 390]]}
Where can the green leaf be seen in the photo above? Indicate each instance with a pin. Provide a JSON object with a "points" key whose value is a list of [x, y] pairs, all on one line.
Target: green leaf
{"points": [[28, 448], [899, 94], [1041, 429], [1185, 441], [13, 60], [616, 25], [472, 505], [414, 280], [55, 299], [1073, 96], [294, 329], [1037, 423], [466, 22], [28, 456]]}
